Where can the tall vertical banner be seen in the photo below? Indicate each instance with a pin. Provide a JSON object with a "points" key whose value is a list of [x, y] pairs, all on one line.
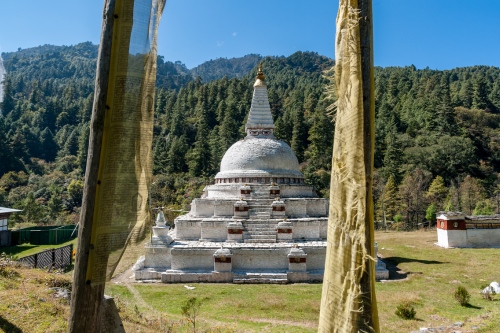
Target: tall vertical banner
{"points": [[125, 166], [114, 211], [348, 301]]}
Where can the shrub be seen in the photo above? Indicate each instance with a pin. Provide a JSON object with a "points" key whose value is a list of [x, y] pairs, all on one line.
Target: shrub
{"points": [[398, 226], [191, 309], [398, 217], [462, 296], [406, 311]]}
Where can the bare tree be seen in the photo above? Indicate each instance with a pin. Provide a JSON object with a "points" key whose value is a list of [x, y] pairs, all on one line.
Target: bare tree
{"points": [[412, 193]]}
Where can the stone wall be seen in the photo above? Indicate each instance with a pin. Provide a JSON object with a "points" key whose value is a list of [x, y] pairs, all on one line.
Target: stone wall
{"points": [[260, 259], [317, 207], [157, 257], [295, 207], [305, 229], [315, 258], [214, 230], [187, 229], [192, 259]]}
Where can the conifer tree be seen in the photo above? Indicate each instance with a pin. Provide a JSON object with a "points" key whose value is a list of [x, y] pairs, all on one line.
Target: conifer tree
{"points": [[437, 192], [392, 157], [299, 134], [480, 94], [199, 156], [48, 145], [177, 155], [321, 137], [390, 198], [83, 146]]}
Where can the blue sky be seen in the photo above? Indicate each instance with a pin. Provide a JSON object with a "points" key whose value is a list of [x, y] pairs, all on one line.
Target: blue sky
{"points": [[440, 34]]}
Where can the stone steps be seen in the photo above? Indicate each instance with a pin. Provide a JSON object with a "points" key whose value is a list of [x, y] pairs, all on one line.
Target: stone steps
{"points": [[260, 228], [260, 232], [260, 209], [251, 240], [256, 278], [260, 236], [259, 217]]}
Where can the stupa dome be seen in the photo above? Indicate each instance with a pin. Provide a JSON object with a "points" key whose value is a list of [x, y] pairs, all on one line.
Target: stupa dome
{"points": [[259, 157]]}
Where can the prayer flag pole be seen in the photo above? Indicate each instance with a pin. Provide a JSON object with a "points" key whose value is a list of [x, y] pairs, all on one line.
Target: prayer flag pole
{"points": [[348, 301], [86, 299]]}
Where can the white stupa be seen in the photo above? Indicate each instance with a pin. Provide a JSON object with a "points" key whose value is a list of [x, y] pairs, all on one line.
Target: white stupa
{"points": [[258, 223]]}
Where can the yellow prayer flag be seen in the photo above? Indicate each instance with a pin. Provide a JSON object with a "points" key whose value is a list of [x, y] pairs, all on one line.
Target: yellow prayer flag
{"points": [[348, 299], [125, 167]]}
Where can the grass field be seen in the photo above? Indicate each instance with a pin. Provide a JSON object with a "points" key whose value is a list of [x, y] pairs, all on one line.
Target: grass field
{"points": [[425, 274]]}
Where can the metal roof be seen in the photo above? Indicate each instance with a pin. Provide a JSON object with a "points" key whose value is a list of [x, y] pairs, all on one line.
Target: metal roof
{"points": [[8, 210]]}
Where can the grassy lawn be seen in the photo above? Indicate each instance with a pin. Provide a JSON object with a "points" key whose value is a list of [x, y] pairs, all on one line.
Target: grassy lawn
{"points": [[427, 276], [19, 251]]}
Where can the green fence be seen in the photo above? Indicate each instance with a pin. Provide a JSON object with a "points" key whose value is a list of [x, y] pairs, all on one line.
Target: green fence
{"points": [[46, 235]]}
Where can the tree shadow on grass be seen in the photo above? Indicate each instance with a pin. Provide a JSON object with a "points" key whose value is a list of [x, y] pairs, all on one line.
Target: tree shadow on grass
{"points": [[395, 273], [401, 260], [470, 306], [16, 249], [7, 326]]}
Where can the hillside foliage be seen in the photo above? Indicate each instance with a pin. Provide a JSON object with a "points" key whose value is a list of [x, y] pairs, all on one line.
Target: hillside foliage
{"points": [[437, 132]]}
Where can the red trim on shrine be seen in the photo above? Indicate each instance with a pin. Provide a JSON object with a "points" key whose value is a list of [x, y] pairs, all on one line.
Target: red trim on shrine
{"points": [[223, 260], [296, 260], [451, 224]]}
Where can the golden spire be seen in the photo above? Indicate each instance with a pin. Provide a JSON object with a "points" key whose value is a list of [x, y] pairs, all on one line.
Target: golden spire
{"points": [[260, 74]]}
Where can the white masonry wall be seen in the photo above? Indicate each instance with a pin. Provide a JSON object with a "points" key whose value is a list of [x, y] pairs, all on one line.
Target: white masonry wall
{"points": [[315, 258], [202, 207], [265, 259], [305, 229], [295, 207], [186, 229], [483, 237], [452, 238], [192, 259], [317, 207], [214, 231], [224, 208]]}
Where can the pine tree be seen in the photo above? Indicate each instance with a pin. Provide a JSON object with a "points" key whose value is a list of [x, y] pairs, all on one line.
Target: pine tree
{"points": [[390, 198], [48, 145], [471, 192], [199, 156], [437, 192], [83, 146], [480, 94], [228, 130], [299, 135], [393, 157], [319, 152], [177, 155]]}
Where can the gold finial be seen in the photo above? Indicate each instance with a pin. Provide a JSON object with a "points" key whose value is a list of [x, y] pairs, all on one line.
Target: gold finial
{"points": [[260, 74]]}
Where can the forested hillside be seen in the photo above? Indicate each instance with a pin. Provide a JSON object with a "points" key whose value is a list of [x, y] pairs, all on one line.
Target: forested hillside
{"points": [[437, 132], [218, 68]]}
